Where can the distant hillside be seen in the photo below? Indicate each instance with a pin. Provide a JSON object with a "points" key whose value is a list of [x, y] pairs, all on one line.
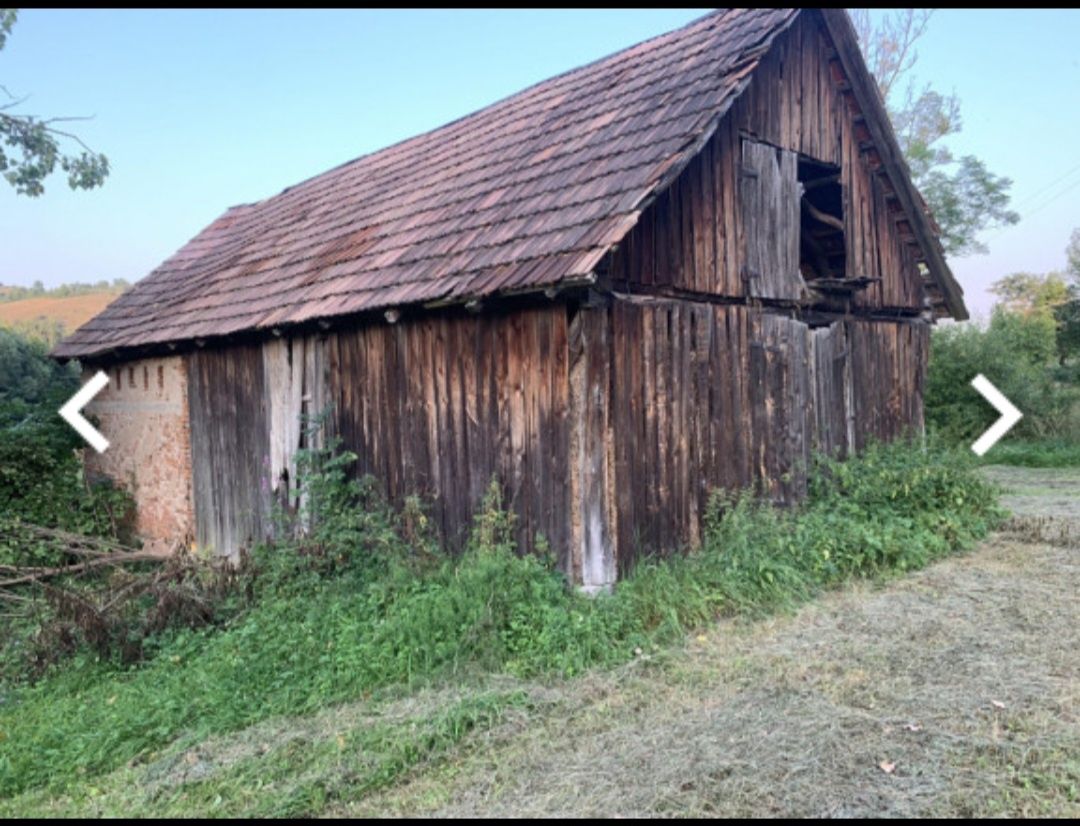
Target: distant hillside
{"points": [[10, 292], [50, 319]]}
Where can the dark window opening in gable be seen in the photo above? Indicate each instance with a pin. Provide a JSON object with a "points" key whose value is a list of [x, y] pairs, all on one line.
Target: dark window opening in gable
{"points": [[822, 247]]}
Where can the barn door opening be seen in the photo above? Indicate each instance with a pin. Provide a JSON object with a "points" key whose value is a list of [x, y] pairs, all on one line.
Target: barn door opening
{"points": [[822, 258]]}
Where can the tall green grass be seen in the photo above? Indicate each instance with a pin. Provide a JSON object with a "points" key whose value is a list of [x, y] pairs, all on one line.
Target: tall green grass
{"points": [[364, 603]]}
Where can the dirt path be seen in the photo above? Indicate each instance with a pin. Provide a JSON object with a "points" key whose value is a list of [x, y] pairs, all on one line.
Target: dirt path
{"points": [[953, 691]]}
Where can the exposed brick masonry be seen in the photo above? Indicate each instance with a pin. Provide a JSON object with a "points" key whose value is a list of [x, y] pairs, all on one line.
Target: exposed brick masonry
{"points": [[144, 414]]}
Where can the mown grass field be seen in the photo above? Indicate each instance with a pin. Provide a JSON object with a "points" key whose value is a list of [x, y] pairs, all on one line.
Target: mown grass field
{"points": [[952, 691]]}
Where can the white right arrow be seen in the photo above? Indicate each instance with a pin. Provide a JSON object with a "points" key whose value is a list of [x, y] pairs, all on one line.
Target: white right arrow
{"points": [[1009, 414], [71, 415]]}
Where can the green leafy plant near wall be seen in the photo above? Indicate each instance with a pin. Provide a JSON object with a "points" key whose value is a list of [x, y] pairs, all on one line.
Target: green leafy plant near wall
{"points": [[42, 486], [41, 478]]}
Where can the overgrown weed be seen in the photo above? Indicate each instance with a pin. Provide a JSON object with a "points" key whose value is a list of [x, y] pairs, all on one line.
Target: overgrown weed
{"points": [[354, 599]]}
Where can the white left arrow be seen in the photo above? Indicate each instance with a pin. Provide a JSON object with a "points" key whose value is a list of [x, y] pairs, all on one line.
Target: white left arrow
{"points": [[71, 415]]}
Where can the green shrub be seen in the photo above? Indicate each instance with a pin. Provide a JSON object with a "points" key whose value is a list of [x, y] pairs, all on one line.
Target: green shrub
{"points": [[41, 479], [41, 484], [1017, 354]]}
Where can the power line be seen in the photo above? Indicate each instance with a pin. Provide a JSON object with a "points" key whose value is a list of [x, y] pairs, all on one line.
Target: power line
{"points": [[1038, 208], [1049, 186], [1045, 204]]}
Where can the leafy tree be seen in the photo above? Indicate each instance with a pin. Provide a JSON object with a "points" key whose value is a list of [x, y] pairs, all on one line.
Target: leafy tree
{"points": [[1072, 257], [1049, 300], [963, 195], [1027, 337], [1067, 314], [1030, 294], [1067, 318], [31, 384], [30, 146]]}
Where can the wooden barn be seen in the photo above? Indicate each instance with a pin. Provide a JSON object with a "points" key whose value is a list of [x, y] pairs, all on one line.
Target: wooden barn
{"points": [[685, 266]]}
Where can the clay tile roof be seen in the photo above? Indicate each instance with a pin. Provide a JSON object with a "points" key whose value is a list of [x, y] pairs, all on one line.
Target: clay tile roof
{"points": [[529, 192]]}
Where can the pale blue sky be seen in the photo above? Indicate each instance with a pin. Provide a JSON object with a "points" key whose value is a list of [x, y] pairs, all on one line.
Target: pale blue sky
{"points": [[199, 110]]}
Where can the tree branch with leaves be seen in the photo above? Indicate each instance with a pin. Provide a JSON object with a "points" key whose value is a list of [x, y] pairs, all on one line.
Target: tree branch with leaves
{"points": [[963, 195], [30, 146]]}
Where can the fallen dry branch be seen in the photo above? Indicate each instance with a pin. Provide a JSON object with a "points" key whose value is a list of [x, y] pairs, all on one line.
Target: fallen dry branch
{"points": [[38, 574], [79, 544], [94, 551], [107, 596]]}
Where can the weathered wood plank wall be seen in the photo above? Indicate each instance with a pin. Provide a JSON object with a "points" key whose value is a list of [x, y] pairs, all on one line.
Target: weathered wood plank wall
{"points": [[607, 434], [888, 378], [441, 405], [693, 236], [681, 411], [436, 407], [230, 447], [724, 396]]}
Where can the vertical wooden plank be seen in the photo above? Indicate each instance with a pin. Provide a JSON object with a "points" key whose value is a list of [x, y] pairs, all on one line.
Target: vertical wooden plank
{"points": [[770, 216], [417, 411], [458, 479], [691, 215], [662, 224], [536, 380], [626, 387], [439, 427], [719, 407], [700, 457], [276, 368], [707, 219], [676, 260], [590, 420], [647, 229], [558, 437], [685, 423], [230, 447]]}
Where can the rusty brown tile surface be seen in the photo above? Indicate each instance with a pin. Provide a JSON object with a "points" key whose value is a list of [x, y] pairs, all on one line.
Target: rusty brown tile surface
{"points": [[528, 192]]}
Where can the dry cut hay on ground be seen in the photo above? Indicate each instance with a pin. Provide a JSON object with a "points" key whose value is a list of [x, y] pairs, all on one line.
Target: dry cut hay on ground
{"points": [[954, 691]]}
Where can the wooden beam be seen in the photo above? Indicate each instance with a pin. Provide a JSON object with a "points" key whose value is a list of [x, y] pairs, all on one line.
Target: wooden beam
{"points": [[821, 260], [823, 217], [829, 179]]}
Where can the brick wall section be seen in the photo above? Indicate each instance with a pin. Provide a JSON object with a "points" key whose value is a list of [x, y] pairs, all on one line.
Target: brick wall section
{"points": [[144, 414]]}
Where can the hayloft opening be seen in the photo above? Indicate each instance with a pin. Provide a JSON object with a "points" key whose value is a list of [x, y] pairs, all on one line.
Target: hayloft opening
{"points": [[822, 255]]}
